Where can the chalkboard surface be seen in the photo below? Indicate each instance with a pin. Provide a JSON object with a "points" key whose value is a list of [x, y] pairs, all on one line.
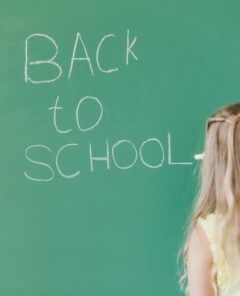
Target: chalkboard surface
{"points": [[103, 106]]}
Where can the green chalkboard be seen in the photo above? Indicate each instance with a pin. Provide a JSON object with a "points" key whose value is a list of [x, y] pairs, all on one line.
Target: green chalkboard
{"points": [[103, 106]]}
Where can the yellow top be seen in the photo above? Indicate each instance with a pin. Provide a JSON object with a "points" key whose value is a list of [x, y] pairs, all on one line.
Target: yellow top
{"points": [[226, 286]]}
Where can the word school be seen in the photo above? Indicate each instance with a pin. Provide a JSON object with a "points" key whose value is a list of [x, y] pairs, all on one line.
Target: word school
{"points": [[105, 158]]}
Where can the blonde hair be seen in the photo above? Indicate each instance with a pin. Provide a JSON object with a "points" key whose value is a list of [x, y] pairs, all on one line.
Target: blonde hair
{"points": [[219, 190]]}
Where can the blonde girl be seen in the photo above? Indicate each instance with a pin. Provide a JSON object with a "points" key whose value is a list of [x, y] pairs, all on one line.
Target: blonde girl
{"points": [[211, 248]]}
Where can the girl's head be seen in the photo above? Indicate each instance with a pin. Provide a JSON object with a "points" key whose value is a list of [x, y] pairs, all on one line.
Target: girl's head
{"points": [[219, 186], [220, 168]]}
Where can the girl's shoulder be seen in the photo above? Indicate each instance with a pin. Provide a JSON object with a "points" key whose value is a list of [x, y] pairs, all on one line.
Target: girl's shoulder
{"points": [[208, 224]]}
